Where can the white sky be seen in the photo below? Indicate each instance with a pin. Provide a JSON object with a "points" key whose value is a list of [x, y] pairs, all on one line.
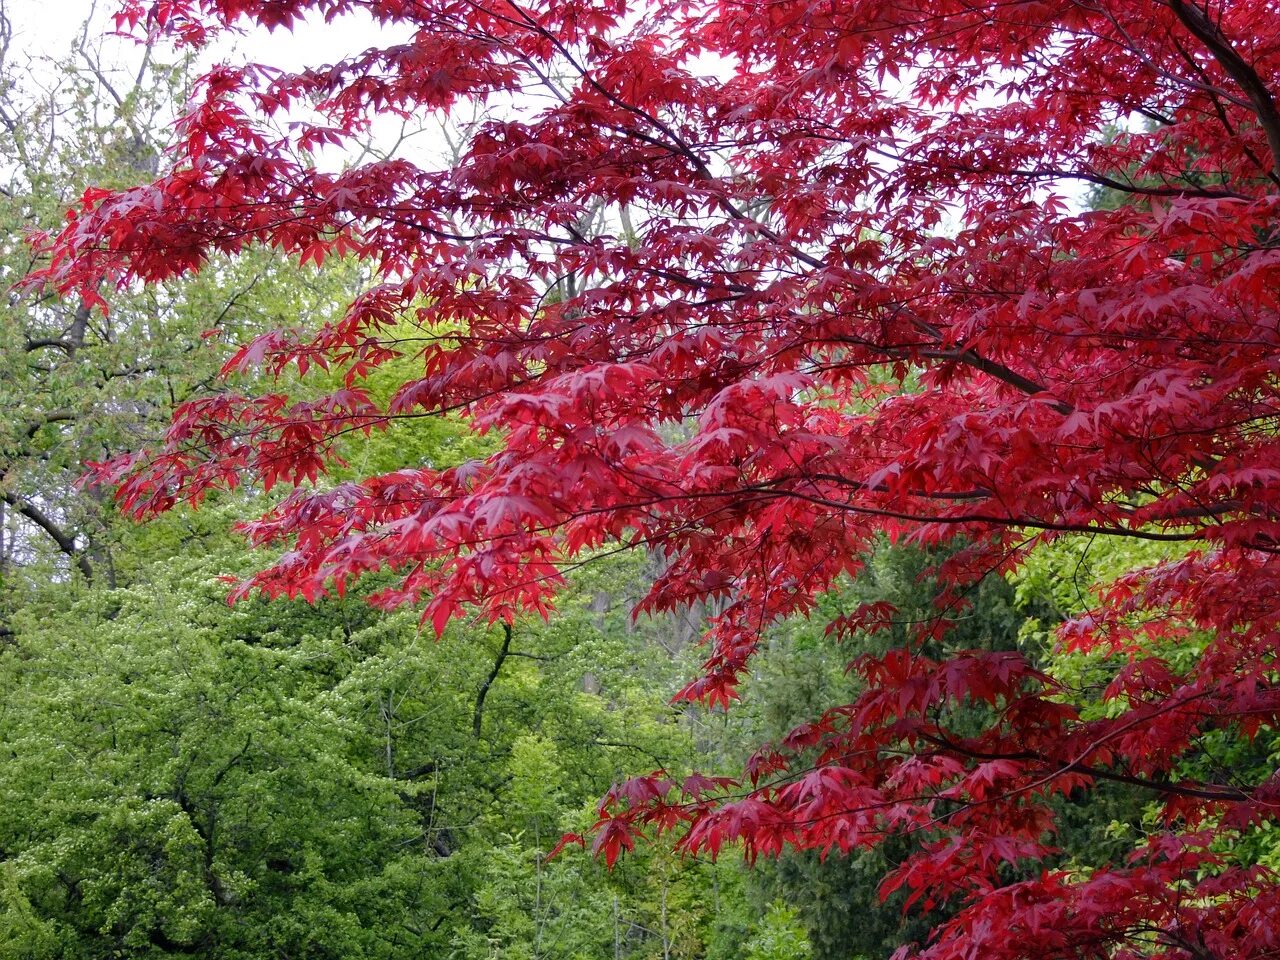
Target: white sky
{"points": [[47, 29]]}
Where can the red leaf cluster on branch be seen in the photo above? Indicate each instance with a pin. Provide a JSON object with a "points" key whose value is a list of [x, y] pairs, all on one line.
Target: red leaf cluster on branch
{"points": [[830, 295]]}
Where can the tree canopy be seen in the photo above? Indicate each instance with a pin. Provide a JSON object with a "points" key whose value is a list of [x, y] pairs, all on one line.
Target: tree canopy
{"points": [[757, 287]]}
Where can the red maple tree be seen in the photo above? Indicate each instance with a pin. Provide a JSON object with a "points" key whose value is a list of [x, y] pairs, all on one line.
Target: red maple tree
{"points": [[833, 294]]}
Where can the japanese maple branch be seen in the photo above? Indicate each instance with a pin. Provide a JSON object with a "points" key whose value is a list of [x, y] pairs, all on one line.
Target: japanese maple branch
{"points": [[1236, 67]]}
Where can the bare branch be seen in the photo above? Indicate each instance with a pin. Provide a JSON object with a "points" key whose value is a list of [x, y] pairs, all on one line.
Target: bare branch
{"points": [[503, 652], [65, 541]]}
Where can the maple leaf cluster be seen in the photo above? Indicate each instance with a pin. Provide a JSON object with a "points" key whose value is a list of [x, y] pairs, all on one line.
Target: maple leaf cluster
{"points": [[833, 293]]}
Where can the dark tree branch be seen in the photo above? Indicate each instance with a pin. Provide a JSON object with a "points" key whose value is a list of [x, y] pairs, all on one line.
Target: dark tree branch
{"points": [[65, 541], [1237, 68], [416, 772], [41, 343], [53, 416], [503, 652]]}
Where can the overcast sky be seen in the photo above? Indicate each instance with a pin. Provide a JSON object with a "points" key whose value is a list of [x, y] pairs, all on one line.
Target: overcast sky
{"points": [[47, 28], [46, 31]]}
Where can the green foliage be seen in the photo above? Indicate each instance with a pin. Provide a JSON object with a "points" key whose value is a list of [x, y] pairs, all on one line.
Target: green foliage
{"points": [[182, 784], [1067, 573], [780, 937], [272, 779]]}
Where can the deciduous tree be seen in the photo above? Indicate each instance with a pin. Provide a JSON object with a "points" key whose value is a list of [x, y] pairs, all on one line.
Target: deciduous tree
{"points": [[840, 293]]}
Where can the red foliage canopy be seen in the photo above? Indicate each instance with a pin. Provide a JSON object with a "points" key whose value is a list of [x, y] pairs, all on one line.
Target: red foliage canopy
{"points": [[847, 302]]}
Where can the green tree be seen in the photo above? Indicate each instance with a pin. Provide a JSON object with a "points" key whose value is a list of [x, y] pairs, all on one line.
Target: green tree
{"points": [[80, 386]]}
